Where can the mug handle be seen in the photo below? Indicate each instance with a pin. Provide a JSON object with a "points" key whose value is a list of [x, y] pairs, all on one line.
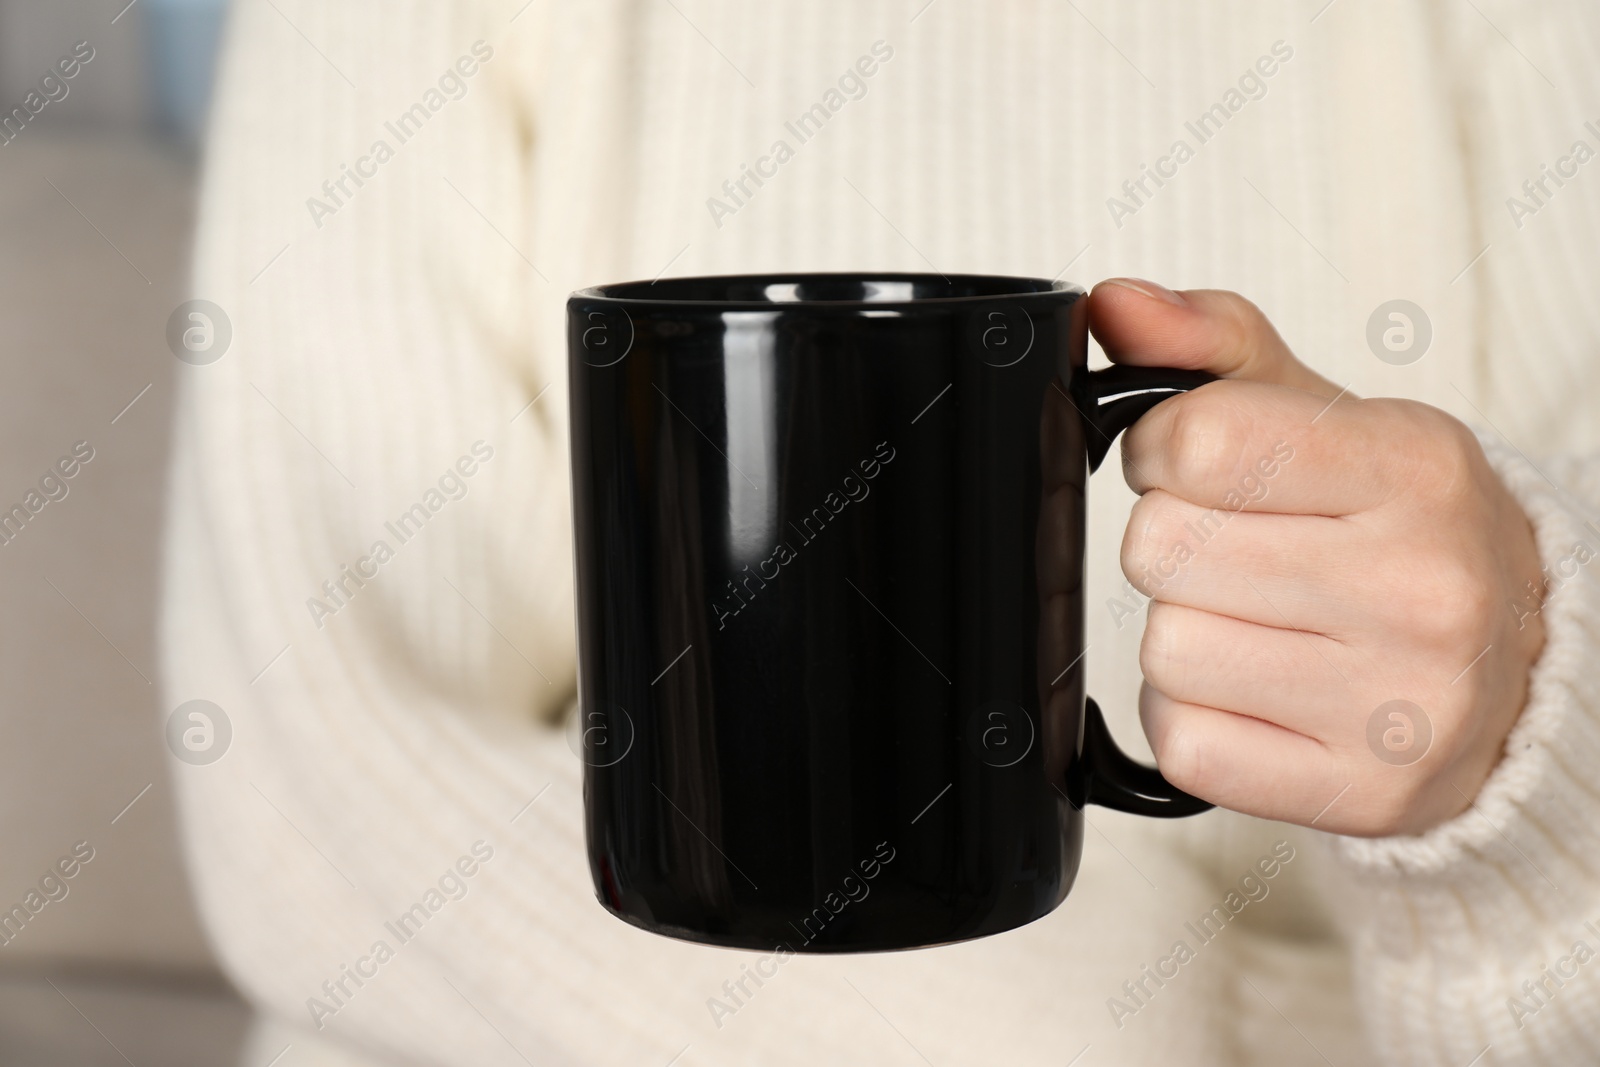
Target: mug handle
{"points": [[1117, 396]]}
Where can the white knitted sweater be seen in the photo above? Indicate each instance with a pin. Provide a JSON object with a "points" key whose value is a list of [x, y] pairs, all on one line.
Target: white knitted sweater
{"points": [[388, 323]]}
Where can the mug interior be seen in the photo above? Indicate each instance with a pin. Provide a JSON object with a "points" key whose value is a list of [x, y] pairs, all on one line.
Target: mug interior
{"points": [[873, 288]]}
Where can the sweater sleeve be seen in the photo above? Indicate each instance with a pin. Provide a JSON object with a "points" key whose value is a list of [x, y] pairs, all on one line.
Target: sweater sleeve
{"points": [[1476, 938]]}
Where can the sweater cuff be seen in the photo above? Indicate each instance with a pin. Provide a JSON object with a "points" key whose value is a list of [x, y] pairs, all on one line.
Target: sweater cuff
{"points": [[1514, 866]]}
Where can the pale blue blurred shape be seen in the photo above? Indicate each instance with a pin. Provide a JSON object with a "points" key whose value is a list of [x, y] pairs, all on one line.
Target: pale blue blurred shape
{"points": [[182, 38]]}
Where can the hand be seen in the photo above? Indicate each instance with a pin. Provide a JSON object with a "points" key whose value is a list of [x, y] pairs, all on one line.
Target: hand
{"points": [[1311, 557]]}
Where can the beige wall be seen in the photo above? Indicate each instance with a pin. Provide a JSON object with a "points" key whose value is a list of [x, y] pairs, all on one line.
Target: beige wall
{"points": [[34, 33], [81, 333]]}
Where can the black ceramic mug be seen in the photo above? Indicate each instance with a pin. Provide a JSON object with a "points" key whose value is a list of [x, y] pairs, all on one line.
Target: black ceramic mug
{"points": [[830, 537]]}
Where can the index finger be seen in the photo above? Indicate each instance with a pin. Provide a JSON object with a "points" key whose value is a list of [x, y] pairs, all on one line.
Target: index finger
{"points": [[1247, 445]]}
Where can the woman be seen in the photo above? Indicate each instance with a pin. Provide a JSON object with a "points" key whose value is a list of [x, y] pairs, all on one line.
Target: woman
{"points": [[398, 199]]}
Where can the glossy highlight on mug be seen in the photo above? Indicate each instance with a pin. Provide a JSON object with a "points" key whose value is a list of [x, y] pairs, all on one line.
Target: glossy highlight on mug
{"points": [[809, 527]]}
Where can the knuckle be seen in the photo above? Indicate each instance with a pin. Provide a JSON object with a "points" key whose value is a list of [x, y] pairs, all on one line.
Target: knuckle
{"points": [[1240, 324], [1400, 417], [1448, 603], [1448, 474], [1443, 454], [1465, 600], [1234, 330], [1152, 525], [1180, 756], [1205, 439], [1161, 656], [1136, 538]]}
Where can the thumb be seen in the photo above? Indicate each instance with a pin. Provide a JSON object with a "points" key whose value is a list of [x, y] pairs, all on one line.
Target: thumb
{"points": [[1143, 324]]}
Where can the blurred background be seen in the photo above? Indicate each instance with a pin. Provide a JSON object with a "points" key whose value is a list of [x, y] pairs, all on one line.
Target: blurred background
{"points": [[96, 210]]}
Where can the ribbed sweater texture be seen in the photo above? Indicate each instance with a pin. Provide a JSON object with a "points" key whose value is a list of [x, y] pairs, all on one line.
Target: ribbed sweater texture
{"points": [[385, 328]]}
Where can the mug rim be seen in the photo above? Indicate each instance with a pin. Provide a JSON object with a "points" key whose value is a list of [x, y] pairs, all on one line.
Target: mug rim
{"points": [[637, 293]]}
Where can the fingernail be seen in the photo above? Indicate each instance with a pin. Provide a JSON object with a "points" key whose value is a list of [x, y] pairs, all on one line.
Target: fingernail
{"points": [[1149, 289]]}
